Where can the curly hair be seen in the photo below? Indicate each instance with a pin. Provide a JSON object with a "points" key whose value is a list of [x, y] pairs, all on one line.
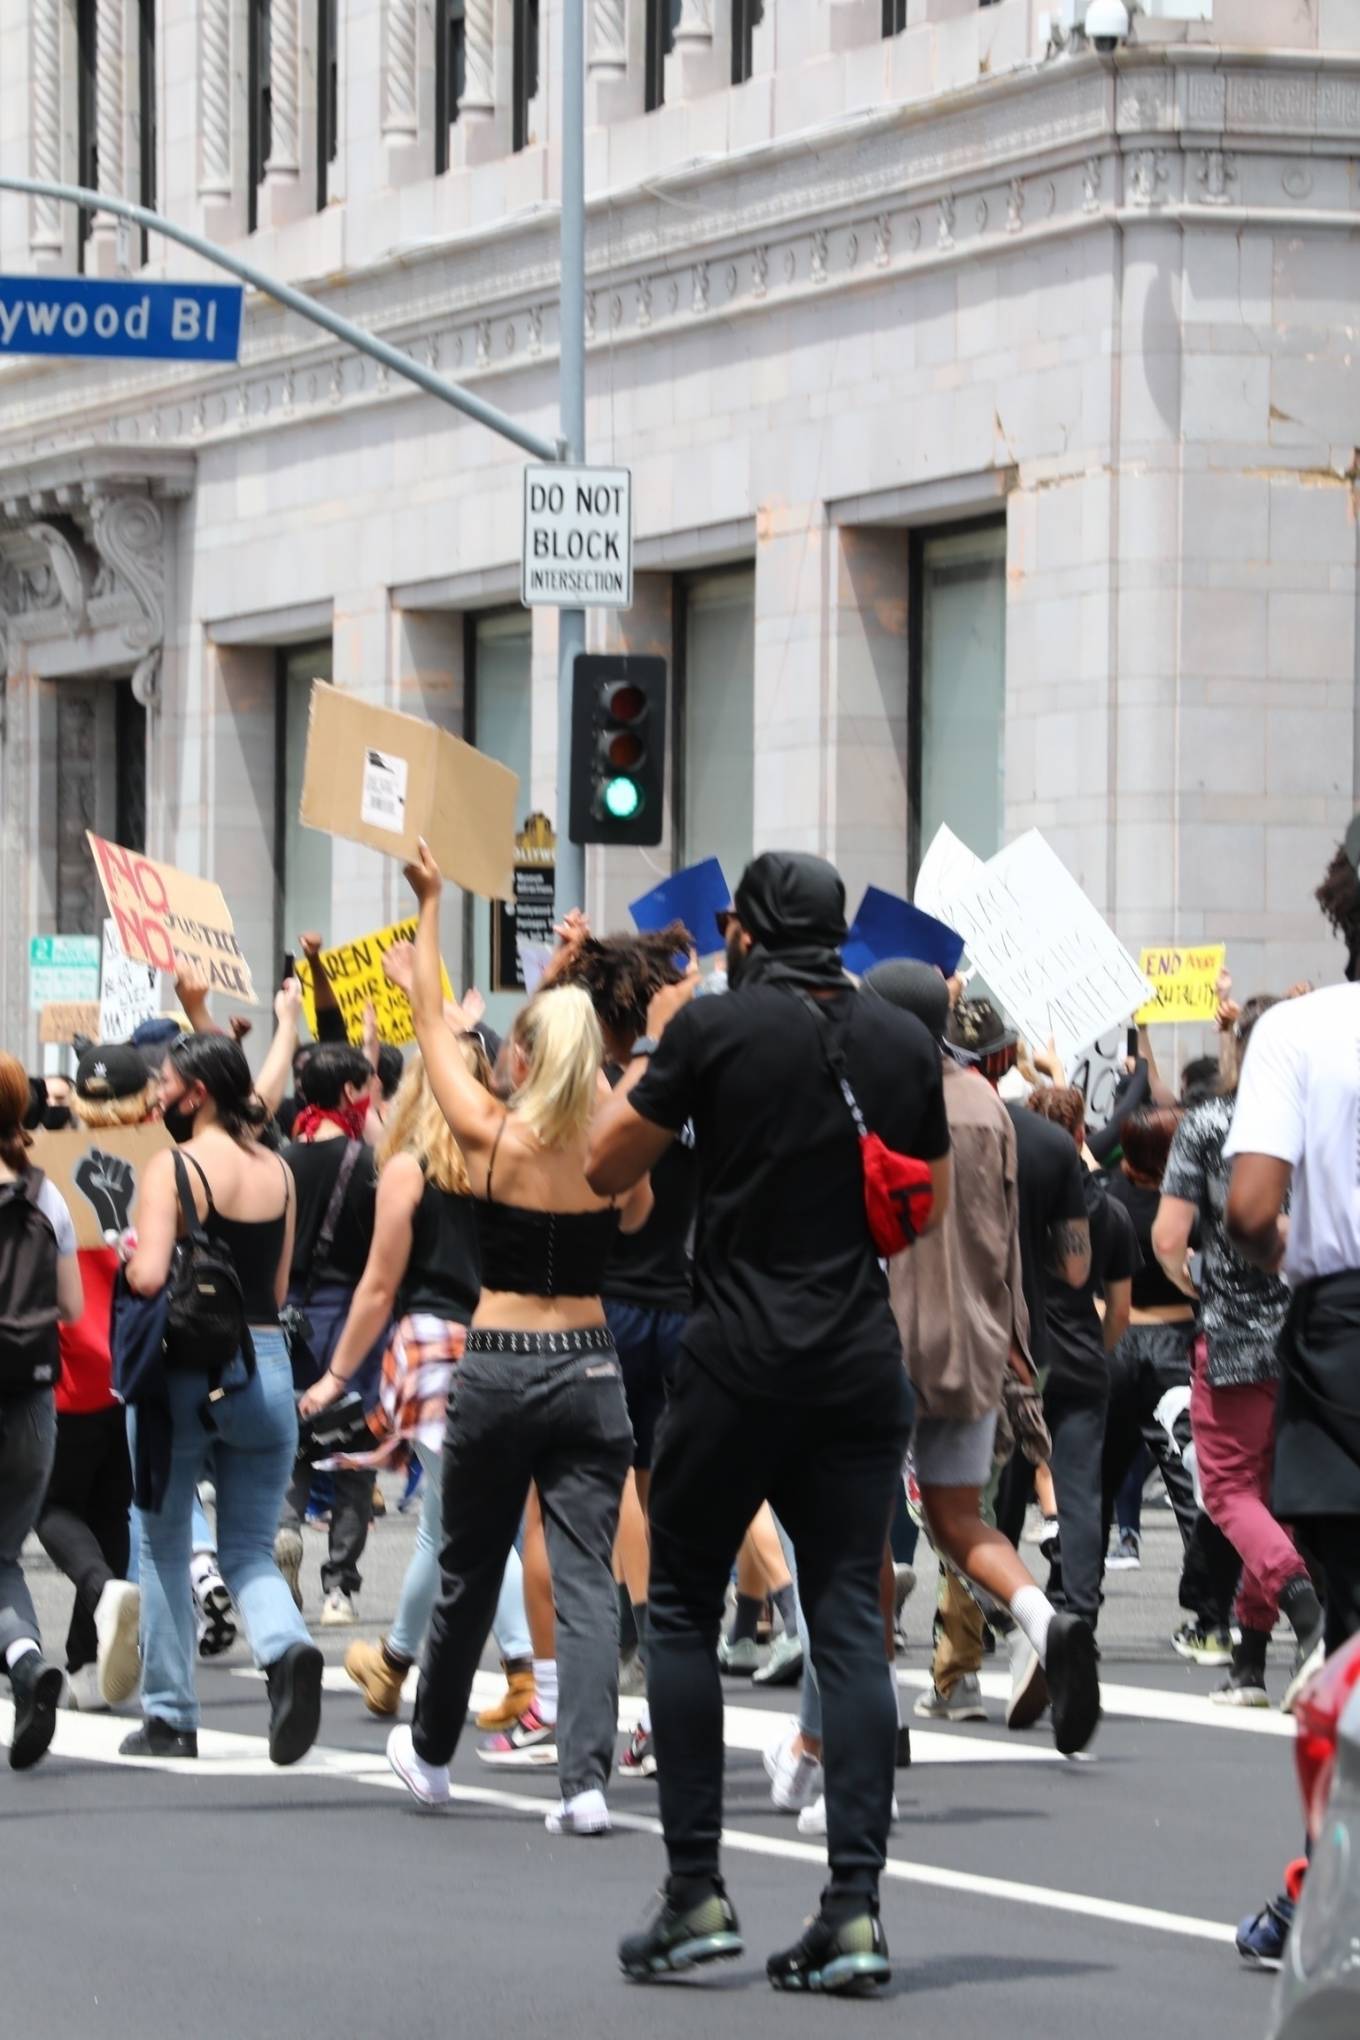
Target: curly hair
{"points": [[1339, 898], [622, 974], [1064, 1105]]}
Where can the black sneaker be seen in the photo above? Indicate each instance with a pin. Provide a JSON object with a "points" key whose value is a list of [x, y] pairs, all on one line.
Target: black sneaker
{"points": [[680, 1937], [903, 1762], [843, 1958], [157, 1738], [37, 1688], [1073, 1682], [294, 1682]]}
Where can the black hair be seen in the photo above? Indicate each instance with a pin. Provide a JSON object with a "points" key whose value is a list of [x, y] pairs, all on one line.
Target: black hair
{"points": [[1246, 1021], [1200, 1079], [330, 1066], [623, 973], [390, 1070], [218, 1063], [1339, 898]]}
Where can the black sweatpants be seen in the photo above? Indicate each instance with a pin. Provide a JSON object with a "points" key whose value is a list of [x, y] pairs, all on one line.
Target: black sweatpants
{"points": [[830, 1472], [1076, 1419], [83, 1526]]}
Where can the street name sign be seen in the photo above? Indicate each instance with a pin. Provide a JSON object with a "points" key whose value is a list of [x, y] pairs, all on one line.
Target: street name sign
{"points": [[112, 318], [578, 538]]}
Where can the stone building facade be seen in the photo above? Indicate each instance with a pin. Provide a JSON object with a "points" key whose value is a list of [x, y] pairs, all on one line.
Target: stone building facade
{"points": [[992, 406]]}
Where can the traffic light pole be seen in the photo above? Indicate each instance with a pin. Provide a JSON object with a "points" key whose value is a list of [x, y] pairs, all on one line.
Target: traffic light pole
{"points": [[571, 623]]}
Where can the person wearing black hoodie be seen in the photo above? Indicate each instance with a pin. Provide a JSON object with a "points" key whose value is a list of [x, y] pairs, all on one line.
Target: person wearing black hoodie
{"points": [[789, 1384]]}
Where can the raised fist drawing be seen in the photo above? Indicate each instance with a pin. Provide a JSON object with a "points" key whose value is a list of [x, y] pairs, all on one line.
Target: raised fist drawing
{"points": [[110, 1185]]}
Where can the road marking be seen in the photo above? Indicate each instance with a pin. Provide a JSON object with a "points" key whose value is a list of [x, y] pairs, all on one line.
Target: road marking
{"points": [[94, 1738], [1148, 1703]]}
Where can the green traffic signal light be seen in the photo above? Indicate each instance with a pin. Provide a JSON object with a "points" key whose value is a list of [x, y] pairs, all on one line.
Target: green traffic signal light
{"points": [[622, 798]]}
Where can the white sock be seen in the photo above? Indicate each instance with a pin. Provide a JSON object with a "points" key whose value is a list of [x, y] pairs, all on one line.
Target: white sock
{"points": [[17, 1650], [545, 1679], [1033, 1611]]}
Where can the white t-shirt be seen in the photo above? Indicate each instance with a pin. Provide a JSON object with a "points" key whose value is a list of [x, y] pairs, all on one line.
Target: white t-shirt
{"points": [[56, 1211], [1299, 1100]]}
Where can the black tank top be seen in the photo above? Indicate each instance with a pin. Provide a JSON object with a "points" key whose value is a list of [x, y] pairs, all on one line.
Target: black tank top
{"points": [[443, 1276], [255, 1245], [542, 1253]]}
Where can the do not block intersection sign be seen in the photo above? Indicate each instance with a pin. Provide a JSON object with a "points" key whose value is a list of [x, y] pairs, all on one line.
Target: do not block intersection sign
{"points": [[578, 538]]}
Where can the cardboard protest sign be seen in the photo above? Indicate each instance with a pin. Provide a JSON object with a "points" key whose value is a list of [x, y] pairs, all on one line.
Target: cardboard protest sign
{"points": [[885, 926], [385, 779], [128, 991], [693, 896], [357, 978], [97, 1170], [161, 914], [1184, 979], [1047, 954], [60, 1022], [947, 867]]}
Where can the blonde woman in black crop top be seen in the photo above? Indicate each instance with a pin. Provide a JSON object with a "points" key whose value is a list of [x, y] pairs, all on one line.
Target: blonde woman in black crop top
{"points": [[538, 1397]]}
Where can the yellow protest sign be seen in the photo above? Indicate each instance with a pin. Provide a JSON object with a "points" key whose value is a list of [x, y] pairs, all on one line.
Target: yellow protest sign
{"points": [[355, 970], [1184, 978]]}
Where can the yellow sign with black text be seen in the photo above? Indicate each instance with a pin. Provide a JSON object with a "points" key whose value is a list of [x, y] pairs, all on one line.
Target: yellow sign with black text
{"points": [[355, 970], [1184, 980]]}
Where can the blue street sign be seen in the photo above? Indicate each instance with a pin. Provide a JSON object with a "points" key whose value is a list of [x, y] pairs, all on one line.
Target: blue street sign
{"points": [[138, 321]]}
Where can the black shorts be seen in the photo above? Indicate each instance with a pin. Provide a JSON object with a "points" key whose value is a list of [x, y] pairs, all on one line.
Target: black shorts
{"points": [[648, 1342]]}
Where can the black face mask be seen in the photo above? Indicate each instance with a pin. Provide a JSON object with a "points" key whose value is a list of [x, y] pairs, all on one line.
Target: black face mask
{"points": [[178, 1121], [55, 1118]]}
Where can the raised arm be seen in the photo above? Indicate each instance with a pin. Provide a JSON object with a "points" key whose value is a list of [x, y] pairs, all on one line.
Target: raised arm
{"points": [[277, 1067], [330, 1021], [472, 1113]]}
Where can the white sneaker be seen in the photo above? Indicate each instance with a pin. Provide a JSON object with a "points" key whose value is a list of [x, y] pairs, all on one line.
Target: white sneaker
{"points": [[1029, 1687], [116, 1620], [427, 1783], [812, 1820], [216, 1619], [338, 1610], [288, 1559], [795, 1777], [586, 1814], [82, 1691]]}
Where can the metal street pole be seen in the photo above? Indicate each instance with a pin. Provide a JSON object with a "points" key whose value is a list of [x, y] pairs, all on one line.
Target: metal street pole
{"points": [[571, 623]]}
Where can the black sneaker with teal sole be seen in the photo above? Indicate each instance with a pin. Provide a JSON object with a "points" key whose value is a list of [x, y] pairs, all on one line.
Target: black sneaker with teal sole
{"points": [[840, 1958], [678, 1937]]}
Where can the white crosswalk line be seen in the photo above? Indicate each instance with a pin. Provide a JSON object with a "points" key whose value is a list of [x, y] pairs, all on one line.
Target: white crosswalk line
{"points": [[1148, 1703]]}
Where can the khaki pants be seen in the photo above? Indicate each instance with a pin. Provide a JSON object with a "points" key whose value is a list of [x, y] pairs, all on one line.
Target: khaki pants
{"points": [[958, 1634]]}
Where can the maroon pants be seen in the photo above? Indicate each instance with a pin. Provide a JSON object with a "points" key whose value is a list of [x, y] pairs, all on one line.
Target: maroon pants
{"points": [[1235, 1450]]}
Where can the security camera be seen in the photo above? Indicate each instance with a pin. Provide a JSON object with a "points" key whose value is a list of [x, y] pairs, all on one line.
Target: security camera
{"points": [[1106, 25]]}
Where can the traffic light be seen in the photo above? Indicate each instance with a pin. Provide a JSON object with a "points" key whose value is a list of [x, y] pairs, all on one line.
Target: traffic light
{"points": [[618, 748]]}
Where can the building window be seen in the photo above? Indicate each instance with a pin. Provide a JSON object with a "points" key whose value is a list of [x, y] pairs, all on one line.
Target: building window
{"points": [[259, 117], [714, 764], [129, 786], [662, 16], [450, 75], [87, 131], [147, 135], [302, 857], [958, 686], [746, 17], [525, 69], [498, 719], [894, 16], [327, 95]]}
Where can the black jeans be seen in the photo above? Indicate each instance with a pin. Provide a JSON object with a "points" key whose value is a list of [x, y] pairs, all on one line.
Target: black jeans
{"points": [[84, 1525], [830, 1472], [352, 1488], [560, 1421], [1332, 1545], [1076, 1417]]}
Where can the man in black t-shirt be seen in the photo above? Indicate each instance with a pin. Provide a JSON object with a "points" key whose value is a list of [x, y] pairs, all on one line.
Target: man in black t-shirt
{"points": [[789, 1386]]}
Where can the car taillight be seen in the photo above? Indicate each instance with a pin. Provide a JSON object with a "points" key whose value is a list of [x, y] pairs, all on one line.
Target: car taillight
{"points": [[1317, 1715]]}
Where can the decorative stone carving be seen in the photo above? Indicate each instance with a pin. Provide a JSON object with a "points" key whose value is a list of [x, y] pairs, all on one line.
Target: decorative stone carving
{"points": [[944, 232], [45, 126], [1297, 180], [1015, 205], [400, 113], [128, 532], [695, 23], [109, 111], [214, 99], [699, 295], [1216, 172], [819, 253], [760, 272], [284, 67], [1147, 173], [609, 37], [479, 60], [1091, 171], [882, 240]]}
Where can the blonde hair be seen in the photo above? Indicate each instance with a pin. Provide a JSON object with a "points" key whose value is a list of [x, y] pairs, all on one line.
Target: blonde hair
{"points": [[133, 1111], [416, 1126], [560, 1038]]}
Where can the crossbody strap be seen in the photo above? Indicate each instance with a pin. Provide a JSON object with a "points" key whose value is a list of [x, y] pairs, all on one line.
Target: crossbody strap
{"points": [[835, 1061], [193, 1224], [325, 1238]]}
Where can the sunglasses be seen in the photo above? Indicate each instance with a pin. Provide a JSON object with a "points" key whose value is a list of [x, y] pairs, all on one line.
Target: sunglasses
{"points": [[724, 918]]}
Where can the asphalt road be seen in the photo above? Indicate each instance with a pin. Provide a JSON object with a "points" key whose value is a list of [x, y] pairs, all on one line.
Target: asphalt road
{"points": [[1025, 1896]]}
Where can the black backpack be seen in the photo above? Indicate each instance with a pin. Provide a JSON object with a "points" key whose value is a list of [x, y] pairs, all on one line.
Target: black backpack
{"points": [[30, 1356], [205, 1325]]}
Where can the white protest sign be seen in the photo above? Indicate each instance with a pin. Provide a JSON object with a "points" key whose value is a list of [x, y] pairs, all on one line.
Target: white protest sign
{"points": [[127, 990], [1046, 952], [1097, 1075], [946, 869]]}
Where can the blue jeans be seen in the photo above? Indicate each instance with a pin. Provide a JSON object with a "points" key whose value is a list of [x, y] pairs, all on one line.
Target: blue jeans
{"points": [[250, 1456], [421, 1584]]}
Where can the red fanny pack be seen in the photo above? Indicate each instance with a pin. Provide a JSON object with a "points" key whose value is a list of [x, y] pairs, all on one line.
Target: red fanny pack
{"points": [[898, 1194]]}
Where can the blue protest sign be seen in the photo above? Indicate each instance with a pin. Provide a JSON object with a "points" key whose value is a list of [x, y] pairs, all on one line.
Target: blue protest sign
{"points": [[113, 318], [693, 896], [886, 926]]}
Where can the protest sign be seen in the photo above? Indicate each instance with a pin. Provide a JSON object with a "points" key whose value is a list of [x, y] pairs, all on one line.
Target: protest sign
{"points": [[62, 970], [384, 779], [947, 867], [886, 926], [97, 1170], [62, 1021], [128, 991], [693, 896], [357, 978], [1184, 979], [1044, 950], [1097, 1075], [162, 914]]}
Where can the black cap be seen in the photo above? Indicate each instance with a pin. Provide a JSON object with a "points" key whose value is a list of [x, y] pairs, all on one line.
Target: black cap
{"points": [[789, 900], [916, 987], [116, 1071]]}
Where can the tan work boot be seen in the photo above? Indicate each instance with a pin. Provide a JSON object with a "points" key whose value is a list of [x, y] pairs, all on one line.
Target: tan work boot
{"points": [[518, 1697], [378, 1679]]}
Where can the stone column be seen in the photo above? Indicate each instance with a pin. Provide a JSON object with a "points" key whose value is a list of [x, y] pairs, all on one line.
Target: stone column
{"points": [[285, 193], [111, 130], [400, 72], [611, 93], [701, 59], [221, 125], [478, 135], [47, 217]]}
